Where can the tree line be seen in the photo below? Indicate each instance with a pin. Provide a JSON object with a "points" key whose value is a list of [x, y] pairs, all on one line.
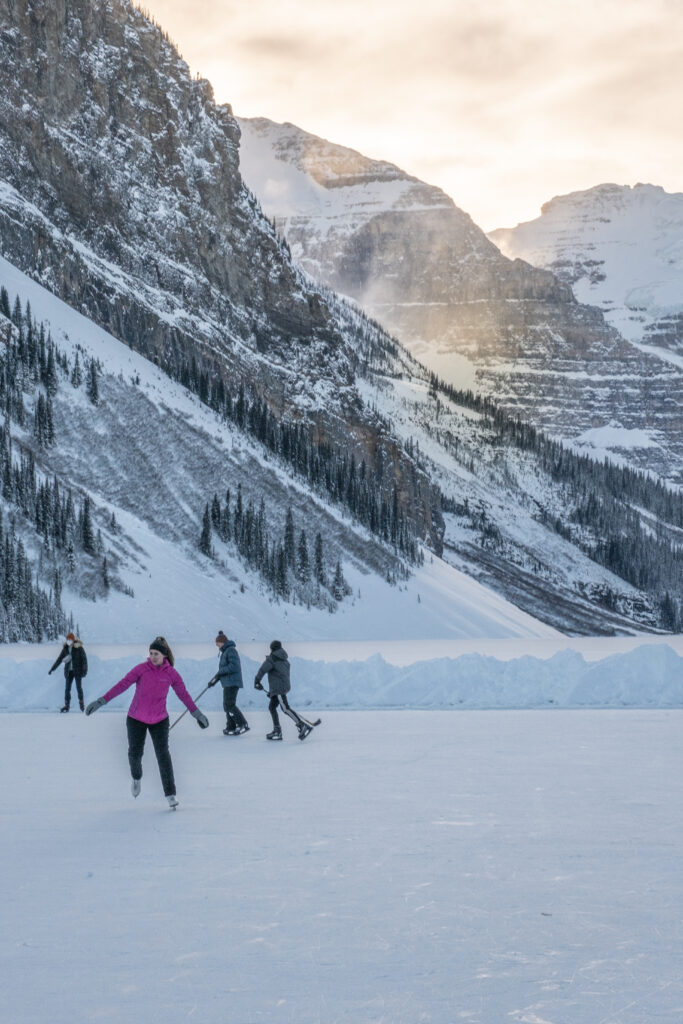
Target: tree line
{"points": [[369, 495], [68, 542], [290, 567], [605, 506]]}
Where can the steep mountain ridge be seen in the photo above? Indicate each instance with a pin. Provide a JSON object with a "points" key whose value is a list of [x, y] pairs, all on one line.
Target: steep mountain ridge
{"points": [[620, 248], [149, 455], [122, 194], [423, 269]]}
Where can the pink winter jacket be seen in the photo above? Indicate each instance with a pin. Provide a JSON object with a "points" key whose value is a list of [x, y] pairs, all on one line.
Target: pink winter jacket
{"points": [[152, 684]]}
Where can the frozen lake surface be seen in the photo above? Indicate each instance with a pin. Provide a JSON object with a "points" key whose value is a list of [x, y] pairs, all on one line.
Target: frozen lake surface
{"points": [[424, 867]]}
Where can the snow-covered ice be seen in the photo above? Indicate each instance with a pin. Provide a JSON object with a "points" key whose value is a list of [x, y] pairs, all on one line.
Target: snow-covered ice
{"points": [[396, 868]]}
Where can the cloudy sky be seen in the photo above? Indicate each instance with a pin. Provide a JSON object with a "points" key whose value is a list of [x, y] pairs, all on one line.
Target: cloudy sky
{"points": [[503, 104]]}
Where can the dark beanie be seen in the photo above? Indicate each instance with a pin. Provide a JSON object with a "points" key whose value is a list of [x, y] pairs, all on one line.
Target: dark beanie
{"points": [[221, 638], [159, 644], [275, 645]]}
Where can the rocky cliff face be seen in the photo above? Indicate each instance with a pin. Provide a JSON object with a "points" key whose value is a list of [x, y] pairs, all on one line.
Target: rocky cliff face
{"points": [[418, 264], [120, 191], [620, 248]]}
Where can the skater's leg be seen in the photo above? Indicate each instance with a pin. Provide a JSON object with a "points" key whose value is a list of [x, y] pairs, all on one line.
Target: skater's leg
{"points": [[290, 712], [229, 706], [137, 732], [272, 707], [159, 733], [232, 712], [79, 691], [68, 679]]}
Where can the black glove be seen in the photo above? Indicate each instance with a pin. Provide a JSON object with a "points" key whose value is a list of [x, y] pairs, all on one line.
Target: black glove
{"points": [[212, 682], [94, 705], [257, 685], [201, 719]]}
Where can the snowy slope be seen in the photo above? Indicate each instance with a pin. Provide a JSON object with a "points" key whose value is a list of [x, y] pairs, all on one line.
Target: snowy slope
{"points": [[620, 248], [183, 453], [158, 501]]}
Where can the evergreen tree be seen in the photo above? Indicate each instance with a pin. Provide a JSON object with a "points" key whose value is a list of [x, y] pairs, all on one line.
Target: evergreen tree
{"points": [[319, 561], [338, 584], [51, 382], [303, 567], [281, 584], [92, 388], [216, 513], [76, 373], [87, 533], [205, 538], [289, 543]]}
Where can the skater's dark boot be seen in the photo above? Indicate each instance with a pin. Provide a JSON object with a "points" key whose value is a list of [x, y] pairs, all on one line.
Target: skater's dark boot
{"points": [[304, 730], [81, 705], [64, 709], [276, 734]]}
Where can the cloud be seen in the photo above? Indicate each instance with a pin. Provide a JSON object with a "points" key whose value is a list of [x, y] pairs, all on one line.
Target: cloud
{"points": [[505, 98]]}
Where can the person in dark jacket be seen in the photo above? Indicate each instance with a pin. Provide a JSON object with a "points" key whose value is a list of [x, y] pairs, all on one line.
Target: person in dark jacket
{"points": [[75, 668], [230, 676], [276, 666]]}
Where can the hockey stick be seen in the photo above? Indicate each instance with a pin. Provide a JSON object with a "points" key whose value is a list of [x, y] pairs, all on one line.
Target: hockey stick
{"points": [[187, 709], [304, 720]]}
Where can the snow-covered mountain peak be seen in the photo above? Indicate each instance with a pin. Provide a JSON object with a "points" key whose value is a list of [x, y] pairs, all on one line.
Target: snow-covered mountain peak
{"points": [[621, 248], [423, 269], [296, 174]]}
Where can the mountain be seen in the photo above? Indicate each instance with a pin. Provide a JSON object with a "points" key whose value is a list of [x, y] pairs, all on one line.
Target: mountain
{"points": [[194, 429], [122, 194], [422, 268], [149, 454], [619, 248]]}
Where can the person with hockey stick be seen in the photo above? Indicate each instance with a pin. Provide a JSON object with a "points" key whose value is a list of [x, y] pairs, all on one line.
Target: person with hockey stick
{"points": [[230, 675], [276, 666], [147, 713], [75, 668]]}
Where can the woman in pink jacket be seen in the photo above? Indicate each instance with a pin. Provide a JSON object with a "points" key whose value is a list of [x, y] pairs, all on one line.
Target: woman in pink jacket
{"points": [[147, 713]]}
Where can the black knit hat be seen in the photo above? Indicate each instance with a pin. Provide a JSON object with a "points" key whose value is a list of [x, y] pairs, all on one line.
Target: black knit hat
{"points": [[221, 637], [159, 644], [275, 645]]}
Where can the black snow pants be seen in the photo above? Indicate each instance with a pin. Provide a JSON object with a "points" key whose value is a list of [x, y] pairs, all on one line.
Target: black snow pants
{"points": [[68, 680], [280, 700], [235, 718], [137, 732]]}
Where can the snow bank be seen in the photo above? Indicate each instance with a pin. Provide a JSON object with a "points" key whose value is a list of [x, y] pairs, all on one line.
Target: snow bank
{"points": [[648, 676]]}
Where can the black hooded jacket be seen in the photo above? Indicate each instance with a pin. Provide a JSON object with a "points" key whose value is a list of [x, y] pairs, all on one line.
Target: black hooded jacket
{"points": [[74, 659]]}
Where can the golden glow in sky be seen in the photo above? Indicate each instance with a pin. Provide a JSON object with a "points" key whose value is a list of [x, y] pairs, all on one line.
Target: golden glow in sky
{"points": [[503, 104]]}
